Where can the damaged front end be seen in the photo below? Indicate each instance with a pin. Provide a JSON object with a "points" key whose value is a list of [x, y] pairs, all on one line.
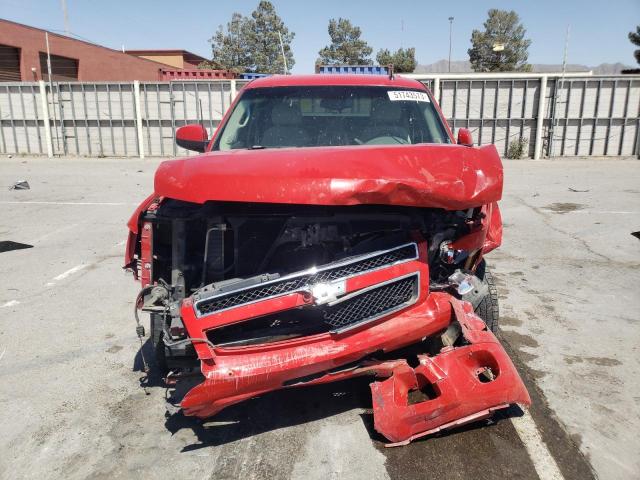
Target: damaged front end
{"points": [[258, 296]]}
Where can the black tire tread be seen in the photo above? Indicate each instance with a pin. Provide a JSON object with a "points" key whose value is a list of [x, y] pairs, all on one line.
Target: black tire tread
{"points": [[488, 309]]}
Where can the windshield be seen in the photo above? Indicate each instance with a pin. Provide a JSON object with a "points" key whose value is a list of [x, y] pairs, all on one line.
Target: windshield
{"points": [[319, 116]]}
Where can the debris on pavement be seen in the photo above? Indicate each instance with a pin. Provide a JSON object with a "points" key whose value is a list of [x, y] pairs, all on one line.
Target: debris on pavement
{"points": [[20, 185]]}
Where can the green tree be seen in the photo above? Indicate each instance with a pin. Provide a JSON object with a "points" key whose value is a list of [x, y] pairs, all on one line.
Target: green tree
{"points": [[346, 48], [501, 47], [252, 44], [634, 37], [229, 48], [266, 29], [403, 60]]}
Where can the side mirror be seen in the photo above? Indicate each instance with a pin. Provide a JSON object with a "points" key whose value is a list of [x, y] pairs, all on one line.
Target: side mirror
{"points": [[192, 137], [464, 137]]}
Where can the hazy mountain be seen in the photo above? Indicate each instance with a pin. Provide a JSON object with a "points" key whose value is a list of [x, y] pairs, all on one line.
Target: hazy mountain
{"points": [[463, 66]]}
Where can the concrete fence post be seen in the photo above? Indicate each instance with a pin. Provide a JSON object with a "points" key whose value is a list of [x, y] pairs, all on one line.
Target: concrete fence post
{"points": [[46, 124], [638, 139], [136, 99], [233, 91], [436, 89], [542, 96]]}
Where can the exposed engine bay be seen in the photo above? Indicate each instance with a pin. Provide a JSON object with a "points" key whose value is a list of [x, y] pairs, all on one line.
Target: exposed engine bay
{"points": [[228, 255]]}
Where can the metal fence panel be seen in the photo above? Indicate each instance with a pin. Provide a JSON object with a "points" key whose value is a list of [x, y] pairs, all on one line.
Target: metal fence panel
{"points": [[580, 115], [496, 111], [21, 119], [594, 116]]}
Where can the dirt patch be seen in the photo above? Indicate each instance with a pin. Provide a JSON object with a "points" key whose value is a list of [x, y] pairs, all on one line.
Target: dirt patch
{"points": [[571, 359], [562, 207], [604, 361], [518, 340], [510, 321], [114, 349], [499, 281], [599, 361]]}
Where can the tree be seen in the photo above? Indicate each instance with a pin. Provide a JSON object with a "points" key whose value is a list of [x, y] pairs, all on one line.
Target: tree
{"points": [[346, 48], [403, 60], [634, 37], [230, 49], [264, 39], [252, 44], [501, 47]]}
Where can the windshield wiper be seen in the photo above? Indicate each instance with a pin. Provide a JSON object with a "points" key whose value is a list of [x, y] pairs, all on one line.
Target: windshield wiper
{"points": [[257, 147]]}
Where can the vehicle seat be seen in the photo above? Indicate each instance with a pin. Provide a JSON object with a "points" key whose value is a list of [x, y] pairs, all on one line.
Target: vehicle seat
{"points": [[385, 122], [286, 129], [333, 133]]}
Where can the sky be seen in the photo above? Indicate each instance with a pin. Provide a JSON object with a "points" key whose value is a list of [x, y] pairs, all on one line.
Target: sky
{"points": [[598, 29]]}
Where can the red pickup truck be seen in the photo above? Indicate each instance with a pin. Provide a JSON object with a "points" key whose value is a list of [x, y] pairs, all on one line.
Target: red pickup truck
{"points": [[331, 227]]}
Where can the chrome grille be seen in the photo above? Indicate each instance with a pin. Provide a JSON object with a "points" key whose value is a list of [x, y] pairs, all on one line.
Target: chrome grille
{"points": [[373, 303], [213, 303], [235, 299]]}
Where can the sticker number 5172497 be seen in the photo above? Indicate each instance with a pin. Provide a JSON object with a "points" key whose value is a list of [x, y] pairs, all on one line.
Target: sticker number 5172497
{"points": [[407, 95]]}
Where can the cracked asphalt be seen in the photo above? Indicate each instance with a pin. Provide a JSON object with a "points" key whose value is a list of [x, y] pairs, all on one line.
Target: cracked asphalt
{"points": [[568, 275]]}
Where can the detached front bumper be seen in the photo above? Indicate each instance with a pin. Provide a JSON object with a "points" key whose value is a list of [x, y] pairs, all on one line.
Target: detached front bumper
{"points": [[465, 383]]}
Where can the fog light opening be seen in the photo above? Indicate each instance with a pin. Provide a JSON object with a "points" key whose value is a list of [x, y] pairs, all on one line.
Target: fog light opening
{"points": [[485, 375]]}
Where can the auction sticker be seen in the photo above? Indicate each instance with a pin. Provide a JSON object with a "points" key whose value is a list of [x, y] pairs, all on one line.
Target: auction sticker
{"points": [[407, 95]]}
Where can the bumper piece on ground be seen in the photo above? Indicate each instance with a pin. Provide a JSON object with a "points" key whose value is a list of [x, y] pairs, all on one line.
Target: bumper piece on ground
{"points": [[457, 386]]}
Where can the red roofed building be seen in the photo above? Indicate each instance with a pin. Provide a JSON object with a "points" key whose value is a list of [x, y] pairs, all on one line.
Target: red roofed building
{"points": [[23, 57]]}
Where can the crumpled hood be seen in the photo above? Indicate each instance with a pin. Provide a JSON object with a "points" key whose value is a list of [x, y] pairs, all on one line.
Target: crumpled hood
{"points": [[452, 177]]}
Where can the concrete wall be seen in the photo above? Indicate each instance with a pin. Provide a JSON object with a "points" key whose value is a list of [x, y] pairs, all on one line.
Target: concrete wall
{"points": [[95, 63]]}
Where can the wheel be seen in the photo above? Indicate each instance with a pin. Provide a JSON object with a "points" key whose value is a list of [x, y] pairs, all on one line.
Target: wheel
{"points": [[488, 309], [156, 340]]}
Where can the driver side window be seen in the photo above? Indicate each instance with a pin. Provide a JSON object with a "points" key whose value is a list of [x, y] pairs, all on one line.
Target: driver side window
{"points": [[233, 138]]}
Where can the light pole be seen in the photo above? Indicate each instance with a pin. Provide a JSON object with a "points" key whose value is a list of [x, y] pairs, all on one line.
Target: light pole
{"points": [[450, 31]]}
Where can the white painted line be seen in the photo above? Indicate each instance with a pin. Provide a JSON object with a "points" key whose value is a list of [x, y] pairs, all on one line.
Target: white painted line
{"points": [[10, 303], [544, 463], [68, 273], [108, 204], [3, 352]]}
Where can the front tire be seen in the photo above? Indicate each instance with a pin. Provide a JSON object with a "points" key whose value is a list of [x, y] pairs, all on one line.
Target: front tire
{"points": [[488, 309]]}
